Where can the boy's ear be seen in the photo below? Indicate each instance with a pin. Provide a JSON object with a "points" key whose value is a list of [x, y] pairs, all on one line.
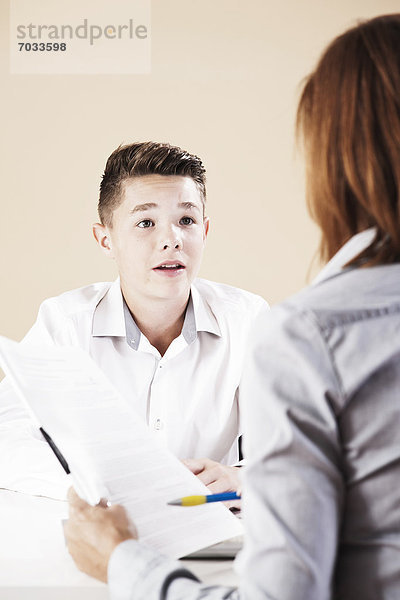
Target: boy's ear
{"points": [[206, 224], [102, 236]]}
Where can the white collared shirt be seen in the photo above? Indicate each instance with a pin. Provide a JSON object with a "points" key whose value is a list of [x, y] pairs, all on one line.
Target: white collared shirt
{"points": [[190, 396]]}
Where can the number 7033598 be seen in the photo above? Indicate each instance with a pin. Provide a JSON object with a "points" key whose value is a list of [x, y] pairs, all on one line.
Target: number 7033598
{"points": [[42, 47]]}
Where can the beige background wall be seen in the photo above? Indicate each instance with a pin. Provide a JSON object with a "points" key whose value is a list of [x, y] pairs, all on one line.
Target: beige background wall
{"points": [[224, 84]]}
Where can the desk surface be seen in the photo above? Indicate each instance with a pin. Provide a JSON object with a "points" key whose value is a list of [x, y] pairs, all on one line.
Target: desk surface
{"points": [[34, 561]]}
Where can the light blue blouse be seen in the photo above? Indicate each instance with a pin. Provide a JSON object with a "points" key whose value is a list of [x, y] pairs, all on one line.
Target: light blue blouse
{"points": [[322, 439]]}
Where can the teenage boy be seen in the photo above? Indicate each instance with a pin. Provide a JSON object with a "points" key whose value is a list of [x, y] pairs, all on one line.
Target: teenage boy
{"points": [[173, 345]]}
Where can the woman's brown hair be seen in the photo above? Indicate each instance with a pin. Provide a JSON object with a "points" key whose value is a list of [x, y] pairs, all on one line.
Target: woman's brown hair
{"points": [[349, 120]]}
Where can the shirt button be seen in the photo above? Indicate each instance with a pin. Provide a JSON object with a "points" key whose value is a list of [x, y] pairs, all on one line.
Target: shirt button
{"points": [[158, 424]]}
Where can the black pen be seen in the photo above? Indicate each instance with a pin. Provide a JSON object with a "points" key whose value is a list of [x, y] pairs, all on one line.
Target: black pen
{"points": [[83, 489], [56, 451]]}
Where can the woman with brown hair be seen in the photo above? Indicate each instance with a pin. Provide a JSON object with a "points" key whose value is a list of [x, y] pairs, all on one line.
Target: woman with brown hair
{"points": [[321, 494]]}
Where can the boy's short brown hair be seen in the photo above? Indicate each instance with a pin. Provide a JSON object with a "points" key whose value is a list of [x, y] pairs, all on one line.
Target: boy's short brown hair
{"points": [[145, 158]]}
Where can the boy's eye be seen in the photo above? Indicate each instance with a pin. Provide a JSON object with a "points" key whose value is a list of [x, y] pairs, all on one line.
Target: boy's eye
{"points": [[145, 223], [186, 221]]}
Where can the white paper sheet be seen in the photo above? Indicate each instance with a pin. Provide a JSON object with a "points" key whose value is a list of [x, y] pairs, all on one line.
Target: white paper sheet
{"points": [[110, 450]]}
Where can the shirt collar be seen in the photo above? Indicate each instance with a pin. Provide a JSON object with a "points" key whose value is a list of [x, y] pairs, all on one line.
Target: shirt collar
{"points": [[133, 333], [189, 330], [349, 250], [113, 318], [205, 318], [108, 317]]}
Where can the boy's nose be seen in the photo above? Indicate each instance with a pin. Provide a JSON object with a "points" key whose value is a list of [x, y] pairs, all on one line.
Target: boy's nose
{"points": [[176, 245], [171, 239]]}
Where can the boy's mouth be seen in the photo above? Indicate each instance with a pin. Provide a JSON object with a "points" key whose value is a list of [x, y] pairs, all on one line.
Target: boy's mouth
{"points": [[169, 267]]}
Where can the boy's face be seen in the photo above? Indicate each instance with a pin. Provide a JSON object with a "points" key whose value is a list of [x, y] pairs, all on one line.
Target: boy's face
{"points": [[157, 237]]}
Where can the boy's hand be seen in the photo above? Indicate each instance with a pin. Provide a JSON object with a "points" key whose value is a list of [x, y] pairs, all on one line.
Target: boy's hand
{"points": [[218, 478]]}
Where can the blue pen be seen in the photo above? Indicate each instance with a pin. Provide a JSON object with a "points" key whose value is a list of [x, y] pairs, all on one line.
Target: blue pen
{"points": [[195, 500]]}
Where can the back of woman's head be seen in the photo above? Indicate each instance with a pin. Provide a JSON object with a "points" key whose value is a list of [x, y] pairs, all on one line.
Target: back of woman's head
{"points": [[349, 120]]}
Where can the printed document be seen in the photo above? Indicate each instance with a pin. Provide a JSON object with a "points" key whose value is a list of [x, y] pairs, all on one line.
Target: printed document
{"points": [[110, 451]]}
